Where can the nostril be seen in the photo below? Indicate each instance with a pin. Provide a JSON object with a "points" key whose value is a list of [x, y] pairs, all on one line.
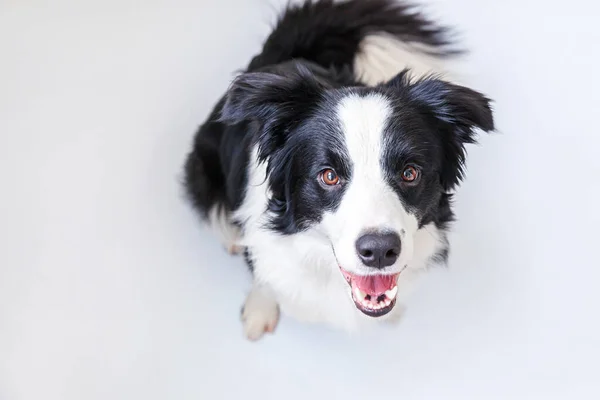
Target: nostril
{"points": [[367, 253], [393, 253]]}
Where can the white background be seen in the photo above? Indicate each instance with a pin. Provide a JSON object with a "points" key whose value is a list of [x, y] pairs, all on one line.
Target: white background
{"points": [[110, 289]]}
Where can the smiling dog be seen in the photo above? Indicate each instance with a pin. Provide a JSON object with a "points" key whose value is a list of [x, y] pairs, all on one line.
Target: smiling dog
{"points": [[330, 162]]}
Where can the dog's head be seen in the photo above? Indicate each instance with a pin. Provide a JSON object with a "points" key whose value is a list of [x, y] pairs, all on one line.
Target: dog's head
{"points": [[364, 167]]}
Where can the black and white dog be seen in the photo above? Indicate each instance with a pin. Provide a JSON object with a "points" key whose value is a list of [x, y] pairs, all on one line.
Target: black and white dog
{"points": [[329, 162]]}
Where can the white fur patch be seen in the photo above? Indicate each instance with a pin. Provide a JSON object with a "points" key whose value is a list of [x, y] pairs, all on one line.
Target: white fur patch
{"points": [[228, 233], [369, 203], [381, 57]]}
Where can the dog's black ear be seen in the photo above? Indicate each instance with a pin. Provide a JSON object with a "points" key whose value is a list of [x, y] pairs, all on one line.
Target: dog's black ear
{"points": [[457, 113], [276, 100], [457, 105]]}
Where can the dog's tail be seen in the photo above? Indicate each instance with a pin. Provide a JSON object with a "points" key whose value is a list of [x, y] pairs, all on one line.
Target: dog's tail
{"points": [[376, 39]]}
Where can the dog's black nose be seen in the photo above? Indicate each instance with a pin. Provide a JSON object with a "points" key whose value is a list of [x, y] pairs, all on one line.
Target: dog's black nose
{"points": [[378, 250]]}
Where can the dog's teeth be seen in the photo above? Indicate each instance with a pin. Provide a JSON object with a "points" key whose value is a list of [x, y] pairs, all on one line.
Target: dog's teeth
{"points": [[360, 295], [391, 294]]}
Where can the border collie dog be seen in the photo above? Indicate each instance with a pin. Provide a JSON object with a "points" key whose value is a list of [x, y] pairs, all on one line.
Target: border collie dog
{"points": [[330, 161]]}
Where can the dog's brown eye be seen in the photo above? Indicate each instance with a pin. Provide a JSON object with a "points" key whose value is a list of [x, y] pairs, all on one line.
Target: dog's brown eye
{"points": [[410, 174], [329, 177]]}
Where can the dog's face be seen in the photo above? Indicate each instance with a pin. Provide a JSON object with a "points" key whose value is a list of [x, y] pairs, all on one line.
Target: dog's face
{"points": [[365, 168]]}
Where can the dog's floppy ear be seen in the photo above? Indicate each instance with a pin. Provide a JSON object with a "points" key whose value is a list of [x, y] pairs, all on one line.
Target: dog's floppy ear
{"points": [[276, 100], [457, 111]]}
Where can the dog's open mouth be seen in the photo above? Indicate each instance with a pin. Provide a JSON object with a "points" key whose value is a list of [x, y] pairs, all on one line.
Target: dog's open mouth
{"points": [[374, 295]]}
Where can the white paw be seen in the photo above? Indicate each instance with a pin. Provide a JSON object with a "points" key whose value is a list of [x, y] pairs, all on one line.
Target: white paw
{"points": [[260, 314], [226, 231]]}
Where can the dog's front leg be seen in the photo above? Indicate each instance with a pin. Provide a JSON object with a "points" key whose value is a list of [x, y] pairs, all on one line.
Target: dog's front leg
{"points": [[260, 313]]}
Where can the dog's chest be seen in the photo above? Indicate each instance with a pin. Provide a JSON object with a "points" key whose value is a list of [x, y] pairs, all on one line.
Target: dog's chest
{"points": [[305, 278]]}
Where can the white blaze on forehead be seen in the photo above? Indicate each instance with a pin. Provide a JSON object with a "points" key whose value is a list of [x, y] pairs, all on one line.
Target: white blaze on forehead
{"points": [[368, 202], [363, 121]]}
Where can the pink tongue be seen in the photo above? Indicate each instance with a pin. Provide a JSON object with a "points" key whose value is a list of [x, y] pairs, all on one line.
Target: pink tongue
{"points": [[374, 284]]}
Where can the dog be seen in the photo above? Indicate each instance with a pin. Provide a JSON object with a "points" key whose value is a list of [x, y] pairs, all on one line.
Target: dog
{"points": [[330, 162]]}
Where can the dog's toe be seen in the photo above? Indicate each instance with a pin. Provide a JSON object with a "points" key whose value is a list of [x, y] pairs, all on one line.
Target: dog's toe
{"points": [[235, 249]]}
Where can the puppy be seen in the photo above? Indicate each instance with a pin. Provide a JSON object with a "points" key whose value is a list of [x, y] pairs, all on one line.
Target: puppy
{"points": [[329, 163]]}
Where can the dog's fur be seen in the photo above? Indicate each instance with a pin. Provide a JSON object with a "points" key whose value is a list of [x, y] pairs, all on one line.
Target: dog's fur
{"points": [[345, 86]]}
